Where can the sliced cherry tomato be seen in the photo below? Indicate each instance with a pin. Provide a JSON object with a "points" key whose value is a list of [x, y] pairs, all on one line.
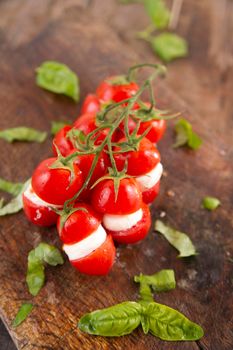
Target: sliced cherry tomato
{"points": [[55, 185], [129, 197], [100, 261], [91, 104], [87, 123], [156, 132], [63, 143], [135, 233], [150, 194], [79, 224], [36, 210], [139, 162]]}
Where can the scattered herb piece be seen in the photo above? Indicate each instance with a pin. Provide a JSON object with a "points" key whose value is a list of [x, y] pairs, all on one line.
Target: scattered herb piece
{"points": [[169, 46], [43, 253], [158, 13], [177, 239], [58, 78], [57, 126], [23, 133], [144, 290], [22, 314], [16, 204], [210, 203], [186, 136], [10, 187]]}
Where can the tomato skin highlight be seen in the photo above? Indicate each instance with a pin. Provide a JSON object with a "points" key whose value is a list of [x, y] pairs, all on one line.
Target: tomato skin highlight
{"points": [[139, 162], [53, 185], [91, 104], [150, 194], [63, 143], [79, 224], [135, 233], [156, 132], [129, 197], [100, 261], [38, 214]]}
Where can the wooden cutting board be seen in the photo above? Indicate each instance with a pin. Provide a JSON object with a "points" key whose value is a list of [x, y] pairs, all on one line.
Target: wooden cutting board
{"points": [[204, 283]]}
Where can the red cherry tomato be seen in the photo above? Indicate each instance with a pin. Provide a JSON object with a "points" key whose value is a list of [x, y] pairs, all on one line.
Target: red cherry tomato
{"points": [[100, 261], [87, 123], [108, 91], [135, 233], [38, 214], [129, 197], [91, 104], [79, 224], [120, 132], [139, 162], [149, 195], [63, 142], [54, 185], [156, 132]]}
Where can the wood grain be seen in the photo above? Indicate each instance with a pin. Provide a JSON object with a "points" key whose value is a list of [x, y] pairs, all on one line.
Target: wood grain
{"points": [[204, 291]]}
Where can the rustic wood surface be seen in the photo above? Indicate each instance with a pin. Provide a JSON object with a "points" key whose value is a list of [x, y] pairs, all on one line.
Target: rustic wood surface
{"points": [[93, 38]]}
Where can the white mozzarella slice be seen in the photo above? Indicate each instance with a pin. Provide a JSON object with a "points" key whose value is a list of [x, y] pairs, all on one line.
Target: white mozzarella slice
{"points": [[32, 196], [87, 245], [150, 179], [122, 222]]}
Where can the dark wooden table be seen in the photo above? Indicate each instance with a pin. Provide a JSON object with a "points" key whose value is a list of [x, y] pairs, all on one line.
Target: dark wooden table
{"points": [[98, 38]]}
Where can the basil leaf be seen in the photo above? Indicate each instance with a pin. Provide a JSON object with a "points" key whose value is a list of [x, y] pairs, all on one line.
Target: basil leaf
{"points": [[57, 77], [210, 203], [169, 46], [23, 133], [144, 290], [161, 281], [177, 239], [16, 204], [114, 321], [186, 136], [43, 253], [22, 314], [169, 324], [158, 13], [10, 187], [57, 126]]}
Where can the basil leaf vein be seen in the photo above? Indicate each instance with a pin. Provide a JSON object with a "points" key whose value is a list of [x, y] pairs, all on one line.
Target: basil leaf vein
{"points": [[58, 78], [23, 133], [177, 239], [22, 314]]}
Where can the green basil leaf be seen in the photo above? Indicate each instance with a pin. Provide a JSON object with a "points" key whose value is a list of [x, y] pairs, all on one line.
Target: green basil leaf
{"points": [[10, 187], [161, 281], [43, 253], [57, 126], [57, 77], [23, 133], [144, 289], [114, 321], [16, 204], [186, 136], [22, 314], [169, 46], [169, 324], [210, 203], [158, 13], [177, 239]]}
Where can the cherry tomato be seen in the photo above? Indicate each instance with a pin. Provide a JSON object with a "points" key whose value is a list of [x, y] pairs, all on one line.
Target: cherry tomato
{"points": [[54, 185], [36, 210], [100, 261], [63, 142], [129, 197], [87, 123], [120, 131], [79, 224], [108, 91], [156, 132], [91, 104], [149, 195], [135, 233], [139, 162]]}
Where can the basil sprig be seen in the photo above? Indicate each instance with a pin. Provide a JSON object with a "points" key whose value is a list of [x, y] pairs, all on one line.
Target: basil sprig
{"points": [[22, 314], [22, 133], [58, 78], [43, 253], [16, 204], [177, 239]]}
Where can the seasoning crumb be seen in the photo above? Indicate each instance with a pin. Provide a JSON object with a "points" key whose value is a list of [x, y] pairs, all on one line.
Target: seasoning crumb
{"points": [[165, 173], [171, 193], [162, 214]]}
